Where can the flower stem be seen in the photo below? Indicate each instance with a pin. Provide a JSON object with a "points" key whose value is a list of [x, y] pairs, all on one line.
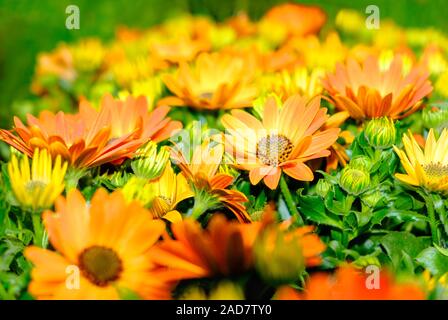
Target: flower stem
{"points": [[72, 178], [289, 201], [432, 217], [198, 209], [40, 235], [203, 201]]}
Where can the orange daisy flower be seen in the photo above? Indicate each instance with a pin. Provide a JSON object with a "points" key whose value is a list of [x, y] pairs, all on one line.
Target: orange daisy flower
{"points": [[297, 19], [102, 247], [368, 91], [202, 172], [350, 284], [90, 137], [216, 81], [284, 140]]}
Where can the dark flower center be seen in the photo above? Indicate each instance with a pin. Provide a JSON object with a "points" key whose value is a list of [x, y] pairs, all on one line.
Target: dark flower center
{"points": [[206, 95], [100, 265]]}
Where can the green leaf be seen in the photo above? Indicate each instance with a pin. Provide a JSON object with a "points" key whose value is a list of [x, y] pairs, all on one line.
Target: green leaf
{"points": [[434, 261], [313, 209], [396, 243], [11, 247], [260, 202]]}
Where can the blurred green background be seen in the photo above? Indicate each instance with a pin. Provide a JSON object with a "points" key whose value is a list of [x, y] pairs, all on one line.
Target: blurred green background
{"points": [[30, 26]]}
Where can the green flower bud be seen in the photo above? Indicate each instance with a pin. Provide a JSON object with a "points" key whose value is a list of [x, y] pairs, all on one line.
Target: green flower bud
{"points": [[361, 163], [381, 133], [435, 117], [138, 189], [354, 181], [323, 187], [372, 198], [149, 164], [224, 290], [278, 256], [365, 261]]}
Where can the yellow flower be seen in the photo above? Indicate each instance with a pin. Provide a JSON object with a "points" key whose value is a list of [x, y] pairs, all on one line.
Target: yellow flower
{"points": [[162, 195], [38, 186], [350, 21], [441, 86], [300, 81], [151, 88], [169, 190], [318, 53], [88, 55], [427, 168], [128, 71]]}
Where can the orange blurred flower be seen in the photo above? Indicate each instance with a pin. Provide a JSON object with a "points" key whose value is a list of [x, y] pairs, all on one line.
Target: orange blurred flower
{"points": [[242, 25], [224, 248], [176, 51], [350, 284], [216, 81], [297, 19], [284, 140], [102, 246], [368, 91], [58, 63], [91, 137], [202, 172]]}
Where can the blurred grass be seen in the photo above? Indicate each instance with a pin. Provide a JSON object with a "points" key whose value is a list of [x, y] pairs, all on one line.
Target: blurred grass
{"points": [[28, 27]]}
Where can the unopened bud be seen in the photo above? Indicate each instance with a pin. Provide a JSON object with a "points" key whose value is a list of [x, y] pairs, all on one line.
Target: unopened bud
{"points": [[381, 132]]}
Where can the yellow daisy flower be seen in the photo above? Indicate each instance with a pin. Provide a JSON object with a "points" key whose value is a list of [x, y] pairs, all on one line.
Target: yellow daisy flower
{"points": [[37, 186], [169, 190], [427, 168]]}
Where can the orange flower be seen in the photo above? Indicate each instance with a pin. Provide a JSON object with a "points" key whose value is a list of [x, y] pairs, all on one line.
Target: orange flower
{"points": [[102, 246], [242, 25], [90, 137], [284, 140], [177, 50], [224, 248], [202, 172], [298, 19], [370, 92], [58, 63], [216, 81], [349, 284]]}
